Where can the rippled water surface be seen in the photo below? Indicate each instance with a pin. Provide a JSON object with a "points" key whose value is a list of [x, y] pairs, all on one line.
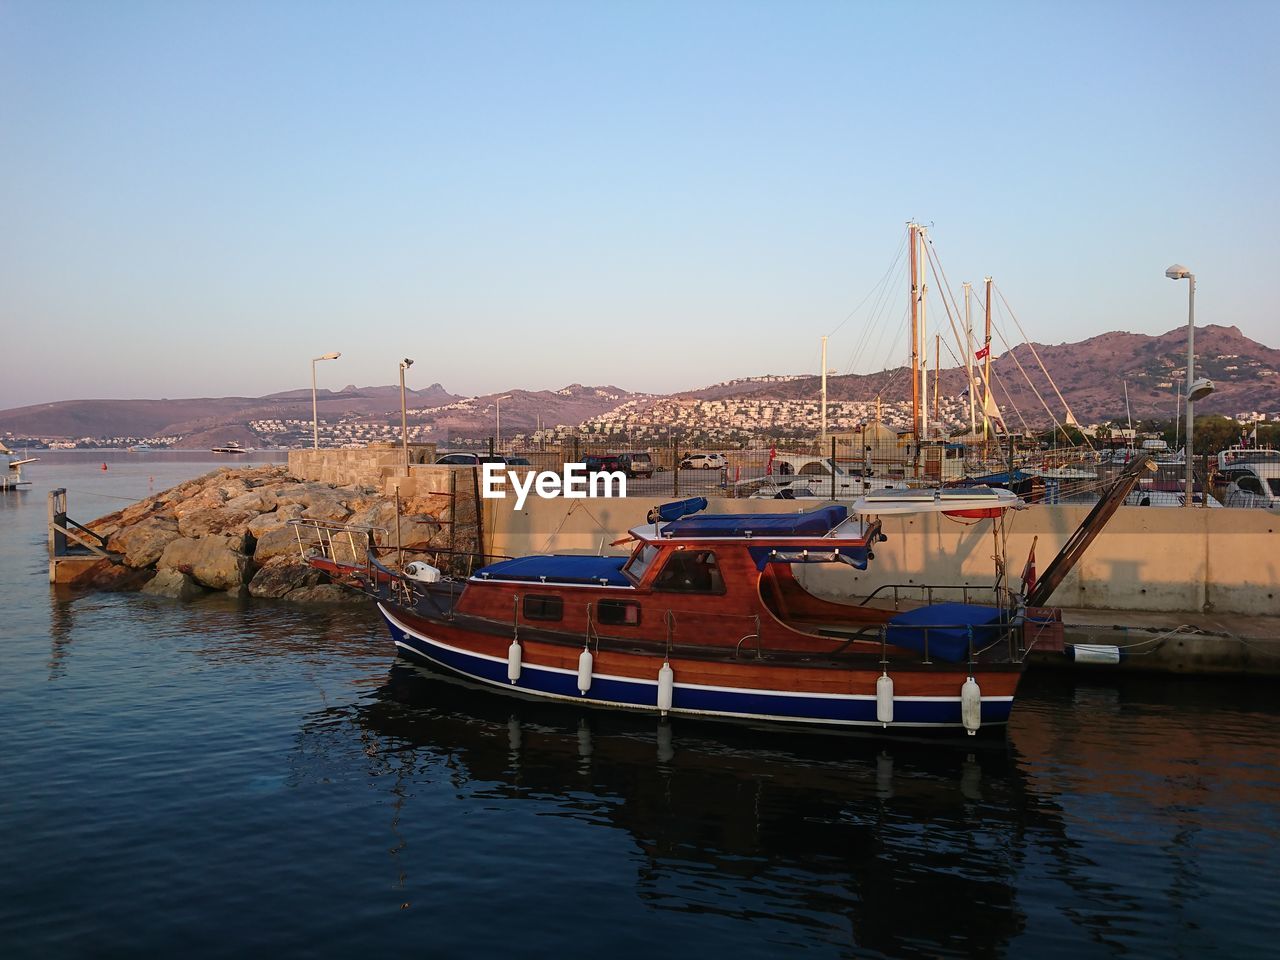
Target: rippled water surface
{"points": [[227, 778]]}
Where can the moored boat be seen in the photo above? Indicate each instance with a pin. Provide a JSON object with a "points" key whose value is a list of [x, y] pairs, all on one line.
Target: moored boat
{"points": [[706, 616]]}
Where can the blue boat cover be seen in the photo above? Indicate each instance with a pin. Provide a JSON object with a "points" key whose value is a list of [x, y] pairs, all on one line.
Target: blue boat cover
{"points": [[565, 568], [814, 523], [948, 626], [677, 509]]}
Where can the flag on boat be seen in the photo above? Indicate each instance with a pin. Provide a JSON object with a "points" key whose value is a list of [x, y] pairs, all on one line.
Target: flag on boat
{"points": [[983, 353], [1029, 571], [768, 466]]}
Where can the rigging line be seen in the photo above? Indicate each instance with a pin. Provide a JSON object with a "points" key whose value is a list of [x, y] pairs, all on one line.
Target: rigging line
{"points": [[935, 266], [893, 263], [1071, 417], [875, 316], [1008, 399], [878, 356], [1009, 353]]}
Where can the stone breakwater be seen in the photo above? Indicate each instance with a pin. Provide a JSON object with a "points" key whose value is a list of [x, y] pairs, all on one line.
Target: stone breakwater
{"points": [[229, 531]]}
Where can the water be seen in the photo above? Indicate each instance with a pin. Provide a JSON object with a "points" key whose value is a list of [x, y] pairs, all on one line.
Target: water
{"points": [[227, 777]]}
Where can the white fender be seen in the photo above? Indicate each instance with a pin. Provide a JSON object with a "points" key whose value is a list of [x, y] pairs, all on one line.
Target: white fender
{"points": [[513, 661], [666, 687], [971, 706], [884, 699], [584, 670]]}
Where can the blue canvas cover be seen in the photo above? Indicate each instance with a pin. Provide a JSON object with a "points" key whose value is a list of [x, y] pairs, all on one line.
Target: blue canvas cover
{"points": [[814, 523], [677, 509], [948, 626], [601, 571]]}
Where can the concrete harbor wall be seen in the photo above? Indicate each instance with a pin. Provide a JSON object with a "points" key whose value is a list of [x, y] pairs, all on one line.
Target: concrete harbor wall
{"points": [[1146, 559]]}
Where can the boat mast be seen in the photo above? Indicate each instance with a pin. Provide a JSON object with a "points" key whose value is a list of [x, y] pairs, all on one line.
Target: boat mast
{"points": [[986, 366], [968, 354], [937, 374], [914, 304], [824, 393], [924, 341]]}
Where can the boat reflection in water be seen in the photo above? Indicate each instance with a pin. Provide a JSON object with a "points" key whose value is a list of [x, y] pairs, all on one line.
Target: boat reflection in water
{"points": [[903, 847]]}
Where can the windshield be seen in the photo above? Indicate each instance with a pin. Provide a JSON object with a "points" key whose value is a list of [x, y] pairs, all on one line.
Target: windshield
{"points": [[641, 561], [1274, 484]]}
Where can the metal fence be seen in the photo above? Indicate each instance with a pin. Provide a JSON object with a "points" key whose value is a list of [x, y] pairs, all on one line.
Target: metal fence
{"points": [[847, 466]]}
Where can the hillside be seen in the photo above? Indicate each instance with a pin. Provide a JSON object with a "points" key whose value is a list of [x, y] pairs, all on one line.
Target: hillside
{"points": [[1091, 375]]}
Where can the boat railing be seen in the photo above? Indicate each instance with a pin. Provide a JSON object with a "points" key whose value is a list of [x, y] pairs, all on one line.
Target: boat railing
{"points": [[926, 593], [342, 544], [1008, 634]]}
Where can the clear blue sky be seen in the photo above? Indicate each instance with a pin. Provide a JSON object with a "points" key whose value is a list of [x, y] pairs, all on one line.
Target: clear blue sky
{"points": [[197, 198]]}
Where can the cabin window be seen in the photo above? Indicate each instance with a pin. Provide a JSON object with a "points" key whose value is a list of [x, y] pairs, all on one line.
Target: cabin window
{"points": [[691, 571], [617, 613], [543, 607], [641, 560], [814, 469], [1250, 485]]}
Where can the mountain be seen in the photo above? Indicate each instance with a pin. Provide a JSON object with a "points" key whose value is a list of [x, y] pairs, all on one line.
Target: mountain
{"points": [[1090, 374]]}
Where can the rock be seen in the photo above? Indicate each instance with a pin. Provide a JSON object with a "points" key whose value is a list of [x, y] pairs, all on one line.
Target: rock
{"points": [[282, 576], [216, 562], [142, 543], [215, 520], [255, 501], [280, 542], [173, 584], [325, 593], [266, 522], [417, 532]]}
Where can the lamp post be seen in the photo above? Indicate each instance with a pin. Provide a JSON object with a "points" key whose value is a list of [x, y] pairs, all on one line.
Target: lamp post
{"points": [[497, 419], [405, 364], [315, 420], [1196, 389]]}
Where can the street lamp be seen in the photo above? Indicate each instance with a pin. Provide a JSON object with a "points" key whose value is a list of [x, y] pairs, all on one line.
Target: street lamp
{"points": [[497, 419], [1196, 389], [315, 420], [405, 364]]}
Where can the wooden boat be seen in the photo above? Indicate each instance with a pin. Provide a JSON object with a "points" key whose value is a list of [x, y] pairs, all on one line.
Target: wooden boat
{"points": [[707, 616]]}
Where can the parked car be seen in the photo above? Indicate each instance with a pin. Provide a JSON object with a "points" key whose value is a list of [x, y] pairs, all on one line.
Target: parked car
{"points": [[601, 462], [636, 464], [468, 459], [704, 461], [518, 462]]}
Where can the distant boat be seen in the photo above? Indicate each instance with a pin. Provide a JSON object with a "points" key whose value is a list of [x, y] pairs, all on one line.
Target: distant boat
{"points": [[138, 448], [231, 447]]}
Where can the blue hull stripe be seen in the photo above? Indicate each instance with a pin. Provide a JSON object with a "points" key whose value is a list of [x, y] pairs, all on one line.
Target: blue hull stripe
{"points": [[694, 699]]}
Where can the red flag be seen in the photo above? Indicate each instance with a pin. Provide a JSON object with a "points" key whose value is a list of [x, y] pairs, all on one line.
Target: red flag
{"points": [[982, 354], [1029, 571], [768, 467]]}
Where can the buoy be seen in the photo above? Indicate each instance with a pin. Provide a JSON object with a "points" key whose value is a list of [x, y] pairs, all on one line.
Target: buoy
{"points": [[513, 661], [1095, 653], [666, 687], [971, 706], [104, 466], [884, 699], [585, 663]]}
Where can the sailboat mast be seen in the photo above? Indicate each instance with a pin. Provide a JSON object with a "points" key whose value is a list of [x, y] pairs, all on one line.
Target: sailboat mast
{"points": [[824, 391], [924, 340], [968, 353], [914, 304], [986, 363], [937, 373]]}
